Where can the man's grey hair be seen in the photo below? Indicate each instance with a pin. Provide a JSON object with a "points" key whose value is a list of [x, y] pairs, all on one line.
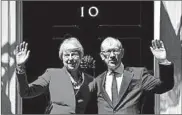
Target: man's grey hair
{"points": [[71, 40], [110, 40]]}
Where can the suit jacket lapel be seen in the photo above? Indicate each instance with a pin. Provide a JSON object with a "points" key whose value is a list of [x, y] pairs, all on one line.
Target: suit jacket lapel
{"points": [[127, 77], [103, 91], [70, 91]]}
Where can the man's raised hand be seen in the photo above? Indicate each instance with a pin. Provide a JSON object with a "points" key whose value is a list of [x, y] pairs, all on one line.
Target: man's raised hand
{"points": [[159, 51]]}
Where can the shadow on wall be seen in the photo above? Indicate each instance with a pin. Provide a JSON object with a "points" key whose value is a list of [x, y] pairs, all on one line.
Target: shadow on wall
{"points": [[7, 72], [173, 44]]}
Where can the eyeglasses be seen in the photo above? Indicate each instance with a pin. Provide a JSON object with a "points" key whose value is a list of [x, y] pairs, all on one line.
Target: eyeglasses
{"points": [[72, 54], [108, 52]]}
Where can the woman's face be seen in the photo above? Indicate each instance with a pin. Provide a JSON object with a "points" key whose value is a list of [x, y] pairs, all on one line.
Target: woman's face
{"points": [[71, 57]]}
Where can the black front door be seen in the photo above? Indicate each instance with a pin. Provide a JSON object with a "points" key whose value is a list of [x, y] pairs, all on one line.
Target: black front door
{"points": [[45, 24]]}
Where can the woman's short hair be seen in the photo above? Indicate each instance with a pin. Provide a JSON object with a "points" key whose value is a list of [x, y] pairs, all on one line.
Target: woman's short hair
{"points": [[71, 40], [110, 40]]}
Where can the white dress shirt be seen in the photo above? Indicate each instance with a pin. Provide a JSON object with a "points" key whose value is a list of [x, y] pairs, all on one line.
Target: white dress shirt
{"points": [[108, 81], [108, 84]]}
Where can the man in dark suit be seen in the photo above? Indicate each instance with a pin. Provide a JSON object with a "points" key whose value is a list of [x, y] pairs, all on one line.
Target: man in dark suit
{"points": [[120, 90], [69, 89]]}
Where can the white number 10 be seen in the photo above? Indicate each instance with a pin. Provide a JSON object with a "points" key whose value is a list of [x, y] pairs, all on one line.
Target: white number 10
{"points": [[90, 11]]}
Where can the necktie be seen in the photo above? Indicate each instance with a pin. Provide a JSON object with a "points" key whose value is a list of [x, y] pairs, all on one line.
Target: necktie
{"points": [[114, 91]]}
